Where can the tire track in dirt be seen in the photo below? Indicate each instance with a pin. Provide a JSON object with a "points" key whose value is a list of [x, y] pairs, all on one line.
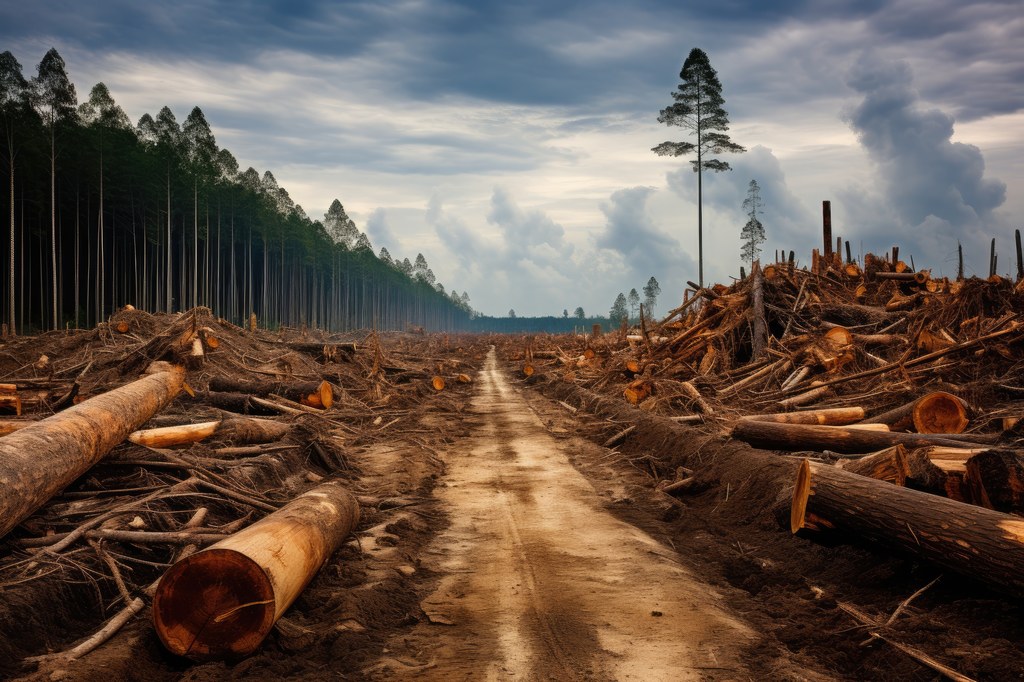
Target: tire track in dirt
{"points": [[538, 581]]}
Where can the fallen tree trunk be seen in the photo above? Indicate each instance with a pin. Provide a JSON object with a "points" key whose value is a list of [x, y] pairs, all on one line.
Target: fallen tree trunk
{"points": [[888, 465], [237, 430], [996, 480], [40, 460], [973, 541], [328, 352], [240, 403], [249, 579], [837, 438], [312, 393], [833, 416], [936, 412]]}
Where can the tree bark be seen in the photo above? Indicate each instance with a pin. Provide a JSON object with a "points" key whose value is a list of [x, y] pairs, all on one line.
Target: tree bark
{"points": [[237, 430], [837, 438], [834, 416], [888, 465], [222, 602], [240, 403], [977, 542], [328, 352], [995, 479], [759, 329], [312, 393], [40, 460], [936, 412]]}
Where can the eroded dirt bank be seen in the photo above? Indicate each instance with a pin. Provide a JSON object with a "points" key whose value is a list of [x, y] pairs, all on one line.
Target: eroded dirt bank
{"points": [[539, 581]]}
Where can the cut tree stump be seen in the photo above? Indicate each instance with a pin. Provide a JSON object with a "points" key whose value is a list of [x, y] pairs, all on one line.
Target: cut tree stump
{"points": [[973, 541], [223, 601], [40, 460]]}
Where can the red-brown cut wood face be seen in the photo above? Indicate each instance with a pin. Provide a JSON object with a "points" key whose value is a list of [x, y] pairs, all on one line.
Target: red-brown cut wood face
{"points": [[940, 412], [214, 604]]}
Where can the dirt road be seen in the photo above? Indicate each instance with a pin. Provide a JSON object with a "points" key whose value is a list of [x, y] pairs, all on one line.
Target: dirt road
{"points": [[540, 582]]}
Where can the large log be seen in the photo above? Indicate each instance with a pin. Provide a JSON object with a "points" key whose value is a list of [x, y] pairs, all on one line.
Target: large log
{"points": [[886, 465], [312, 393], [222, 602], [838, 438], [831, 416], [40, 460], [995, 479], [237, 430], [973, 541], [328, 352], [936, 412], [240, 403]]}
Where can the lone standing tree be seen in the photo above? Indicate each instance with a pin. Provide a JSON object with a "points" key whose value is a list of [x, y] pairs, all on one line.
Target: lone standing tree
{"points": [[698, 108], [752, 233]]}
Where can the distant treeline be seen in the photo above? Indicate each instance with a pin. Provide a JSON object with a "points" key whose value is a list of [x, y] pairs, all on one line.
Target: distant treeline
{"points": [[550, 324], [102, 213]]}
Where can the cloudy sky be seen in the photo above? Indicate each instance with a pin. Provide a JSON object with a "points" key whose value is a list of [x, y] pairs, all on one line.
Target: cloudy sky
{"points": [[509, 142]]}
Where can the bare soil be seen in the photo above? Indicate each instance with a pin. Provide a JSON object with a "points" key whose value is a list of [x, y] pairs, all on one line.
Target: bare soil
{"points": [[537, 580], [506, 542]]}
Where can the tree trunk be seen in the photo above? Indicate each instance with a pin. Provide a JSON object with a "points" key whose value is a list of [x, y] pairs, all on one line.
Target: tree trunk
{"points": [[995, 479], [222, 602], [837, 438], [977, 542], [239, 431], [937, 412], [240, 403], [759, 329], [886, 465], [834, 416], [312, 393], [328, 352], [40, 460]]}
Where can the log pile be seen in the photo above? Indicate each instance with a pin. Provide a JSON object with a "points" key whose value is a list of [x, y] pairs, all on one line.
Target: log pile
{"points": [[865, 371]]}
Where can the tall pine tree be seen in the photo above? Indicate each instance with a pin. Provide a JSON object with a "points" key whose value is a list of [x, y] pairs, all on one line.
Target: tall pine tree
{"points": [[698, 108], [57, 102], [15, 118], [752, 233]]}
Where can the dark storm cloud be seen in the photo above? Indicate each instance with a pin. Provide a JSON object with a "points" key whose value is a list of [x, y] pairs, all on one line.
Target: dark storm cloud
{"points": [[930, 193], [630, 233], [967, 54], [230, 32], [787, 219], [923, 171]]}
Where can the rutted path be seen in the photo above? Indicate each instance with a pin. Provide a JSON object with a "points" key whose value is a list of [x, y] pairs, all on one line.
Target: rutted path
{"points": [[540, 582]]}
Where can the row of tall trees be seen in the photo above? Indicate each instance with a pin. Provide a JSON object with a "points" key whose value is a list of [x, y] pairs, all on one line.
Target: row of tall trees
{"points": [[102, 213]]}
